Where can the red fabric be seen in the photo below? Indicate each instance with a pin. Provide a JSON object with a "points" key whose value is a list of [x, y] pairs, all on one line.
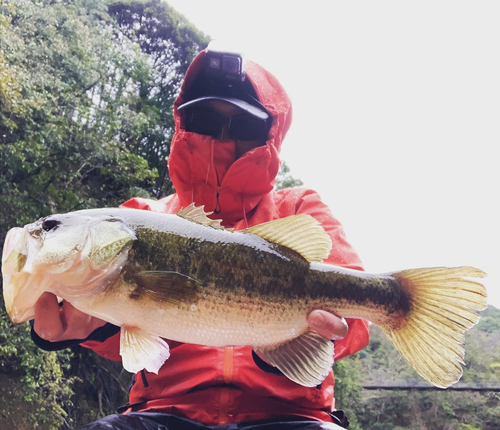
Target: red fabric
{"points": [[221, 385]]}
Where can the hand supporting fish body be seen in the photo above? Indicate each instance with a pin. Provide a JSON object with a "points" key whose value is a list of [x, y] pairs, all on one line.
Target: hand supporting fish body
{"points": [[184, 277]]}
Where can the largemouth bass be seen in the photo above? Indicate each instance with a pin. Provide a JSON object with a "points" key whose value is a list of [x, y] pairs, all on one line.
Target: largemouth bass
{"points": [[184, 277]]}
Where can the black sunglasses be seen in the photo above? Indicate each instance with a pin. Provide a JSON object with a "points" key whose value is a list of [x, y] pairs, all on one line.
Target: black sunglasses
{"points": [[237, 127]]}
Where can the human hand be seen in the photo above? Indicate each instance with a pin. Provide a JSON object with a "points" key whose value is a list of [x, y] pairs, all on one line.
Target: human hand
{"points": [[56, 323], [328, 325]]}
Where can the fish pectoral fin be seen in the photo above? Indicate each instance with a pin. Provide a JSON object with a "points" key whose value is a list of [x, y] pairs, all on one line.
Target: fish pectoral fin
{"points": [[302, 233], [306, 360], [197, 214], [168, 287], [142, 350]]}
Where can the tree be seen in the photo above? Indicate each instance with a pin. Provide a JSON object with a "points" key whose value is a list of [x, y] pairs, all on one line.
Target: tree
{"points": [[82, 101], [61, 151], [285, 178], [88, 118], [431, 409], [170, 43], [34, 385], [348, 389]]}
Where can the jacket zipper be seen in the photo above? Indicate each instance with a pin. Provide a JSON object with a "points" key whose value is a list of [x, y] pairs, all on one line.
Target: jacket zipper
{"points": [[218, 208], [225, 395]]}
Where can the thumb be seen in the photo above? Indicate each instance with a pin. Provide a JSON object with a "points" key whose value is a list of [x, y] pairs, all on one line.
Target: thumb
{"points": [[327, 324]]}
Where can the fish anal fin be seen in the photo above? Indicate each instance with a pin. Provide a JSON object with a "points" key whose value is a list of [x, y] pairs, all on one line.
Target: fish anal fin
{"points": [[142, 350], [302, 233], [197, 214], [444, 302], [306, 359], [167, 287]]}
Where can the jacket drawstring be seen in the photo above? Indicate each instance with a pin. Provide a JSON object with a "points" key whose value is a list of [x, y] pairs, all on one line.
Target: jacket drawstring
{"points": [[211, 162], [191, 170], [211, 165], [244, 212]]}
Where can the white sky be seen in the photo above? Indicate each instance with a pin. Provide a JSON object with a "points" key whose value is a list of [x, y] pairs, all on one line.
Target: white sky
{"points": [[396, 118]]}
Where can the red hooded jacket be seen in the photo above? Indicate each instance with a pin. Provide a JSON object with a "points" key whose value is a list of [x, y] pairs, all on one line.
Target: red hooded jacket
{"points": [[221, 385]]}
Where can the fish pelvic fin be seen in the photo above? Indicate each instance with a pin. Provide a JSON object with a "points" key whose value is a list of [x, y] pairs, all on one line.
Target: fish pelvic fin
{"points": [[306, 359], [302, 233], [444, 305], [142, 350]]}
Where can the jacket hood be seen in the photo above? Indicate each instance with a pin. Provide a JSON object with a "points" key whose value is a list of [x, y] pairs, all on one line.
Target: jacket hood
{"points": [[237, 189]]}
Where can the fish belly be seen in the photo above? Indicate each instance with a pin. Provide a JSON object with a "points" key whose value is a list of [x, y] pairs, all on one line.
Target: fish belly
{"points": [[220, 321]]}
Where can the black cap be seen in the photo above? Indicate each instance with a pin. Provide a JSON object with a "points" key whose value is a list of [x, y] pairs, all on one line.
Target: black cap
{"points": [[255, 111], [240, 94]]}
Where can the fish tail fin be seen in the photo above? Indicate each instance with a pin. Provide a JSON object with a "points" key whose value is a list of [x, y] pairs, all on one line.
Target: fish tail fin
{"points": [[444, 302]]}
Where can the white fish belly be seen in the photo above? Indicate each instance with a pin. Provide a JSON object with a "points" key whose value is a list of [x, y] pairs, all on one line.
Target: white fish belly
{"points": [[216, 322]]}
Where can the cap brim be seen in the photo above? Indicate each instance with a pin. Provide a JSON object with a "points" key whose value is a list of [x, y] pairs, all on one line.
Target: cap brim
{"points": [[243, 105]]}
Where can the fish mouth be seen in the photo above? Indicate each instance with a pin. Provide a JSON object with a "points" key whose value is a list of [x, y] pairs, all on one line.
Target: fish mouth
{"points": [[24, 278], [81, 260], [19, 305], [19, 295]]}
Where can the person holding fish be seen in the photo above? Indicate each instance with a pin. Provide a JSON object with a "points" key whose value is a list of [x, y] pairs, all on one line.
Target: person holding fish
{"points": [[227, 318], [231, 118]]}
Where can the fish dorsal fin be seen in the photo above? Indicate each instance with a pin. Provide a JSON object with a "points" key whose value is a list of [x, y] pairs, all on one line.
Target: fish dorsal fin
{"points": [[166, 287], [197, 214], [142, 350], [306, 359], [302, 233]]}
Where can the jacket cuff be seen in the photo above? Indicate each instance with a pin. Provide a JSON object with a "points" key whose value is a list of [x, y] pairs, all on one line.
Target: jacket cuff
{"points": [[356, 339], [100, 335]]}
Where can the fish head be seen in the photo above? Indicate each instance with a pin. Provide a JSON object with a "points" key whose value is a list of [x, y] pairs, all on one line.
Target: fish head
{"points": [[70, 255]]}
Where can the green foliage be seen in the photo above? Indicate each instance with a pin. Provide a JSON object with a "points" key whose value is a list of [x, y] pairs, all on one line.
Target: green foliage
{"points": [[35, 382], [62, 151], [285, 178], [170, 43], [86, 94], [86, 102], [424, 409], [101, 387], [348, 389]]}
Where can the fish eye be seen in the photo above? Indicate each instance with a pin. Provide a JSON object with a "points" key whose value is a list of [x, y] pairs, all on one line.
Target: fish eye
{"points": [[49, 223]]}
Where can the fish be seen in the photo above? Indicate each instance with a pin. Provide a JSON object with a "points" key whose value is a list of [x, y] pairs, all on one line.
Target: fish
{"points": [[186, 278]]}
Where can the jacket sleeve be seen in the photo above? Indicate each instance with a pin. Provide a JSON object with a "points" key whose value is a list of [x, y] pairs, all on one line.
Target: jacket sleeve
{"points": [[97, 338], [342, 254]]}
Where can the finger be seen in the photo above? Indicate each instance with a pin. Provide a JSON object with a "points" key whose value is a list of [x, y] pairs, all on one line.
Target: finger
{"points": [[48, 324], [327, 324]]}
